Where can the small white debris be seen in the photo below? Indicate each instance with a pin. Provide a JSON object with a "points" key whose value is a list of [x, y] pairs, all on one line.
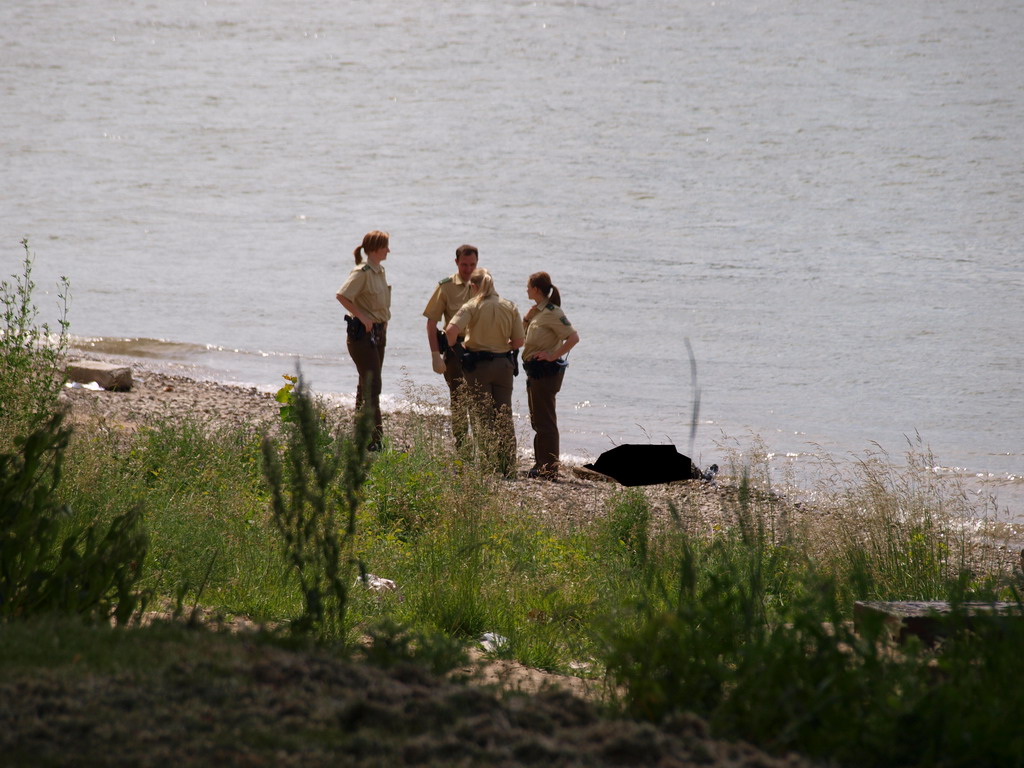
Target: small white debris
{"points": [[378, 583], [492, 641]]}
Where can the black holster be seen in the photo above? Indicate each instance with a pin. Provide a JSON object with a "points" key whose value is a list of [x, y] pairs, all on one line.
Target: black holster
{"points": [[467, 358], [356, 330], [442, 341]]}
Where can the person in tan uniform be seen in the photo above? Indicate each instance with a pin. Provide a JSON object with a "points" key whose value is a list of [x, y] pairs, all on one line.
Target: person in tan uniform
{"points": [[493, 332], [448, 297], [549, 337], [367, 297]]}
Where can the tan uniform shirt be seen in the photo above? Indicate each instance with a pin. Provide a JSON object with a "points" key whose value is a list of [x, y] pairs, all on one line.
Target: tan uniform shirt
{"points": [[367, 287], [489, 325], [549, 327], [447, 299]]}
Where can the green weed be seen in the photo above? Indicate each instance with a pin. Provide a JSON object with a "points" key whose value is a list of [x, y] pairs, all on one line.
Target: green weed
{"points": [[205, 501], [626, 529], [31, 355], [49, 562], [315, 495]]}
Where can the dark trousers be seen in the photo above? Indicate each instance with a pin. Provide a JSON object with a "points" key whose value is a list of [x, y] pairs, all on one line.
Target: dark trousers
{"points": [[456, 380], [368, 355], [490, 391], [541, 394]]}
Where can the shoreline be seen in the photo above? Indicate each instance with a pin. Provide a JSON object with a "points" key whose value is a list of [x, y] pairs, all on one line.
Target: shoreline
{"points": [[796, 473], [795, 458], [577, 499]]}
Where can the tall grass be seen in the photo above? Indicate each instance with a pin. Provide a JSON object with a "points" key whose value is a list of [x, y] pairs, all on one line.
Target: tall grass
{"points": [[756, 637], [206, 508], [50, 562], [909, 532], [465, 562]]}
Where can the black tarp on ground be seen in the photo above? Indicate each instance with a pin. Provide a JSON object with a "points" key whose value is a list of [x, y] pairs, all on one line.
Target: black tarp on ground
{"points": [[632, 464]]}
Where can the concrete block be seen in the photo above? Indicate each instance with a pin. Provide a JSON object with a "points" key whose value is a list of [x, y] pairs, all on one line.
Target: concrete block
{"points": [[109, 376], [931, 620]]}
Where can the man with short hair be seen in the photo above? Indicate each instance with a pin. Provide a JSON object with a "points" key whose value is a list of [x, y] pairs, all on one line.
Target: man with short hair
{"points": [[448, 297]]}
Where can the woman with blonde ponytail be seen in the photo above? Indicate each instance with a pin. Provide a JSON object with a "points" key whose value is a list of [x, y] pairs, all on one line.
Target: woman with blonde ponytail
{"points": [[367, 297], [549, 337], [493, 331]]}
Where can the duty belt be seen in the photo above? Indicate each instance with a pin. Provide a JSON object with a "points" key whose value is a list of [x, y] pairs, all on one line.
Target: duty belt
{"points": [[541, 369], [471, 358]]}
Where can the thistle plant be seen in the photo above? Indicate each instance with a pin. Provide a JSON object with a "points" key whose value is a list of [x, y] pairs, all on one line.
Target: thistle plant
{"points": [[315, 493]]}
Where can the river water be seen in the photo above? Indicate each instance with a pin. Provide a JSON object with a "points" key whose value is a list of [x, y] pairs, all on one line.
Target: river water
{"points": [[824, 199]]}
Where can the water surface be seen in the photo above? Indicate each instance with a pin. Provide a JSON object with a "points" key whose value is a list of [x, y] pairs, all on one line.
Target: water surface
{"points": [[824, 198]]}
